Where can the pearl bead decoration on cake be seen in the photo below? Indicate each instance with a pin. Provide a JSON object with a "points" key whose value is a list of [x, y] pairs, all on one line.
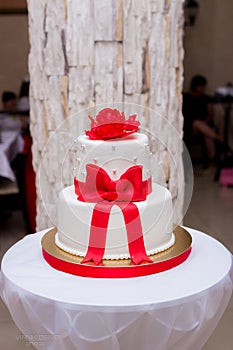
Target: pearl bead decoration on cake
{"points": [[82, 175]]}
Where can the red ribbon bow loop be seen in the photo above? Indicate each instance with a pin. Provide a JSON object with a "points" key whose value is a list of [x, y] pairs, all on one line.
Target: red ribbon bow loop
{"points": [[102, 190], [99, 186]]}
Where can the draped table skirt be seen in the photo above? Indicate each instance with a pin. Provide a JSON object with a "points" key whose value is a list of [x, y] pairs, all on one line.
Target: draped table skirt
{"points": [[173, 310]]}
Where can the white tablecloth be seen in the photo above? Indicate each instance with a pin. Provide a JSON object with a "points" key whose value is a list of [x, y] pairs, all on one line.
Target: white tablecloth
{"points": [[176, 309], [11, 144]]}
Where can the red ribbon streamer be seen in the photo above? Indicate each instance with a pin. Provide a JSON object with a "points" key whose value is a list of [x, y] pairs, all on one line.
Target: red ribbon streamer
{"points": [[101, 189]]}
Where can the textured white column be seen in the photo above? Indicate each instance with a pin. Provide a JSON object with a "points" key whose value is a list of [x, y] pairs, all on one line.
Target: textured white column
{"points": [[96, 51]]}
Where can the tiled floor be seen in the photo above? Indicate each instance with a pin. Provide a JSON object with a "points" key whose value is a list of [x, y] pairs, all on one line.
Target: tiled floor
{"points": [[211, 211]]}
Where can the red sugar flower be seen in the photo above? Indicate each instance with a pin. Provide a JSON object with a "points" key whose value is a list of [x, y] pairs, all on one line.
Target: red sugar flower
{"points": [[110, 124]]}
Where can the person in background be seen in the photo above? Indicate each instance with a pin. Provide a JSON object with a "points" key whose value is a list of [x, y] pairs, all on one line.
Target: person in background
{"points": [[9, 122], [23, 103], [198, 117], [9, 100], [22, 163]]}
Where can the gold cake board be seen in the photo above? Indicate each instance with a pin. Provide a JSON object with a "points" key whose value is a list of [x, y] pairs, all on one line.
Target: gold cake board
{"points": [[63, 261]]}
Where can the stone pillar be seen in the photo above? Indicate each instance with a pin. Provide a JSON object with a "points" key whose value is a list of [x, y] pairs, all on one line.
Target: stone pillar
{"points": [[89, 52]]}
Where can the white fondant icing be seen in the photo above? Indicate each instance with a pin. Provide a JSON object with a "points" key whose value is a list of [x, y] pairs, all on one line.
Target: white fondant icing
{"points": [[125, 149], [74, 220]]}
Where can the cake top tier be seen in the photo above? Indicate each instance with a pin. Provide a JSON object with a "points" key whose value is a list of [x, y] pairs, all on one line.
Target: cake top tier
{"points": [[113, 144], [115, 156]]}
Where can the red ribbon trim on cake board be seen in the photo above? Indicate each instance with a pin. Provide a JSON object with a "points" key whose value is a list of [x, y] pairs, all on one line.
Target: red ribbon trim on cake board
{"points": [[100, 188], [99, 271]]}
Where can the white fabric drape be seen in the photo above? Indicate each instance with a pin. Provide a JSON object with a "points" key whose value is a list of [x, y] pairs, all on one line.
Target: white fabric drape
{"points": [[173, 310]]}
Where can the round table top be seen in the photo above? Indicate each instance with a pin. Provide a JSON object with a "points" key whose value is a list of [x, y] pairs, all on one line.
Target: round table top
{"points": [[208, 264]]}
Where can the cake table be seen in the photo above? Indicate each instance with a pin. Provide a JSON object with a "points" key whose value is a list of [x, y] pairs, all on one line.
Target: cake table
{"points": [[176, 309]]}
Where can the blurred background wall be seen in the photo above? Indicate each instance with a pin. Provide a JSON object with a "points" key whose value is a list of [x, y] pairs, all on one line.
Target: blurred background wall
{"points": [[208, 44], [14, 44]]}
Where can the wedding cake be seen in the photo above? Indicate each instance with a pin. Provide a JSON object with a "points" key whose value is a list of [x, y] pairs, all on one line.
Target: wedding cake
{"points": [[114, 210]]}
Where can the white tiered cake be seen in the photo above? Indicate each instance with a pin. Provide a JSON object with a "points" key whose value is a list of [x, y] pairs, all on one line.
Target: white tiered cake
{"points": [[113, 206]]}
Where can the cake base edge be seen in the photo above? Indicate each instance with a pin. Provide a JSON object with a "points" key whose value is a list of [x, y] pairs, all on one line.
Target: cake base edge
{"points": [[71, 264], [75, 252]]}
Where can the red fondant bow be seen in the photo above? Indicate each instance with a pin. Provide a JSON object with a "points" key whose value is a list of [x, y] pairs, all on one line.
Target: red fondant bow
{"points": [[99, 188]]}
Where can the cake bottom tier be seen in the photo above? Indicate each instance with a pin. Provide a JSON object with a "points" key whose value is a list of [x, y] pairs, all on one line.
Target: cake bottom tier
{"points": [[74, 221]]}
